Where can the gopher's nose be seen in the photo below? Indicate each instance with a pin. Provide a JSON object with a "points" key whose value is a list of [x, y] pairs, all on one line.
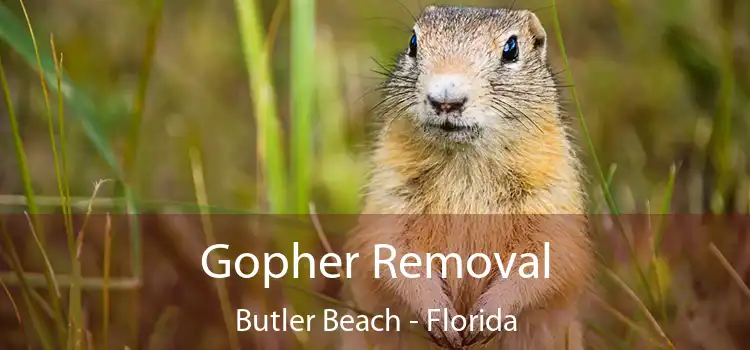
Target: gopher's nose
{"points": [[442, 105], [447, 93]]}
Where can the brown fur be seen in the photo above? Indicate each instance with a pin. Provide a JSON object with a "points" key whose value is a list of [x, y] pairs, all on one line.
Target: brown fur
{"points": [[519, 164]]}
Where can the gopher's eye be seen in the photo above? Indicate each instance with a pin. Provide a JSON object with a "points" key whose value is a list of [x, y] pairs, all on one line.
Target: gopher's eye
{"points": [[510, 50], [413, 46]]}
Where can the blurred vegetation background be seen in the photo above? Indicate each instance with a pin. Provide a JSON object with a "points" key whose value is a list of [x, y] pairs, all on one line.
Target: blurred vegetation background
{"points": [[264, 107]]}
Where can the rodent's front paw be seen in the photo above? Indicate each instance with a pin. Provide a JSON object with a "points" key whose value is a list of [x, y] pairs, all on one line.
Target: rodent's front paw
{"points": [[486, 304], [441, 332]]}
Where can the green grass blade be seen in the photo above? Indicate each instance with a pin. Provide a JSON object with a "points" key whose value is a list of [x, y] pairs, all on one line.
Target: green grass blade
{"points": [[269, 134], [302, 94], [126, 185], [65, 193], [303, 37], [156, 206], [143, 79], [136, 120], [611, 175], [48, 111], [221, 288], [598, 168], [656, 244], [36, 280], [17, 36], [23, 167], [162, 206], [721, 135], [29, 191], [106, 281], [666, 206], [36, 229], [579, 113]]}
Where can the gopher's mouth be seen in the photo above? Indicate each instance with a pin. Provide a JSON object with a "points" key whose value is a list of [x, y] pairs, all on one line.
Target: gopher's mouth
{"points": [[453, 131], [448, 126], [452, 127]]}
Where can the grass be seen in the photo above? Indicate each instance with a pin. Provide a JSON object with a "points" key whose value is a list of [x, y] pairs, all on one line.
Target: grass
{"points": [[61, 182], [13, 304], [14, 260], [296, 165], [201, 197], [304, 37], [106, 282], [606, 189], [40, 328], [268, 134], [14, 33], [18, 144]]}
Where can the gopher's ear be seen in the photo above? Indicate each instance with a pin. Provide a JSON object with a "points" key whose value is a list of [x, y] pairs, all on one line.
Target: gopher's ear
{"points": [[538, 34]]}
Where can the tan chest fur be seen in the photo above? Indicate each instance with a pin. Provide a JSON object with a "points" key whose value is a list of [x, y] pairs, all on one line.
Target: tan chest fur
{"points": [[449, 195], [528, 176]]}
